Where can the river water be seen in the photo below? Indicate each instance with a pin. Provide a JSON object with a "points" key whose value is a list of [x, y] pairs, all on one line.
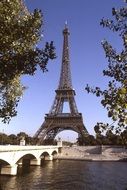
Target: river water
{"points": [[69, 175]]}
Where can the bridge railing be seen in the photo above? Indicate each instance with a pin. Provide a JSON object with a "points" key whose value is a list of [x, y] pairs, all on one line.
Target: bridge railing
{"points": [[8, 148]]}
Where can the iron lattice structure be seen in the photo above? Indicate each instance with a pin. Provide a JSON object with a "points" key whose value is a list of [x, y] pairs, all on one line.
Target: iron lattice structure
{"points": [[57, 121]]}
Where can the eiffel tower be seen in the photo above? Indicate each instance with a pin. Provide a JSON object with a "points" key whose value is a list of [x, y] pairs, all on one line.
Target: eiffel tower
{"points": [[57, 121]]}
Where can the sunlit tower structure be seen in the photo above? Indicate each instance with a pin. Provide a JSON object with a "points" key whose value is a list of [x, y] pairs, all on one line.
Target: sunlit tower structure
{"points": [[56, 120]]}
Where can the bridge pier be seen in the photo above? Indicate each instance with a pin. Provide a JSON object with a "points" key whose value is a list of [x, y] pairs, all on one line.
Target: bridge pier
{"points": [[35, 162], [50, 157], [9, 170]]}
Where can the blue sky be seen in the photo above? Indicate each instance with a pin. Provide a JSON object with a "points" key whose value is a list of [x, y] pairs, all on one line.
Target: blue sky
{"points": [[86, 56]]}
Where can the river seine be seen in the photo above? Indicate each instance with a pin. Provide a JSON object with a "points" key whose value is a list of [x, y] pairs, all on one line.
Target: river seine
{"points": [[69, 175]]}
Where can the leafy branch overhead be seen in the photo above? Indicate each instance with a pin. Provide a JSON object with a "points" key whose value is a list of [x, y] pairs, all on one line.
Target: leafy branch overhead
{"points": [[20, 32], [114, 98]]}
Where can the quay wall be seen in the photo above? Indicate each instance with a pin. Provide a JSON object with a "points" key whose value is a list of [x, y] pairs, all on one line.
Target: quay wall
{"points": [[95, 153]]}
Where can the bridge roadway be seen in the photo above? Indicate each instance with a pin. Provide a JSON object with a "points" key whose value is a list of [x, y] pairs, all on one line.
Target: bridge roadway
{"points": [[11, 156]]}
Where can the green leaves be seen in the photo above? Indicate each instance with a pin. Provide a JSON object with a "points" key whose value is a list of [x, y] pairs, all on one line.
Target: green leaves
{"points": [[10, 94], [114, 98], [20, 32]]}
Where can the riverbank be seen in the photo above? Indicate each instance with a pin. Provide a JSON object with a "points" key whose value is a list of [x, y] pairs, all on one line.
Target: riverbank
{"points": [[94, 158], [93, 153]]}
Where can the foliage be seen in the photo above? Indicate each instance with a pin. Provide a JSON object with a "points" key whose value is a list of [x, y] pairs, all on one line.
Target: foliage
{"points": [[3, 138], [10, 95], [106, 136], [89, 140], [20, 32], [114, 98], [13, 139], [48, 142], [102, 138], [67, 143]]}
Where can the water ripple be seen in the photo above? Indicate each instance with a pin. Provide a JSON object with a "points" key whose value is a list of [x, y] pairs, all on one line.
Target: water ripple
{"points": [[69, 175]]}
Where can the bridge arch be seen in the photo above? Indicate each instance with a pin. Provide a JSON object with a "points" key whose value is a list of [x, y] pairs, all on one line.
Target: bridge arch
{"points": [[22, 155], [44, 154], [4, 162], [54, 152], [27, 156], [6, 168]]}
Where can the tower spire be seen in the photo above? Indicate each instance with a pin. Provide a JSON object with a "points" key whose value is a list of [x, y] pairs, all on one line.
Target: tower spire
{"points": [[66, 24], [65, 76]]}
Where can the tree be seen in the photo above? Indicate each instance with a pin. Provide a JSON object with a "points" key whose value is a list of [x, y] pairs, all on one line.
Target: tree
{"points": [[90, 140], [48, 142], [106, 136], [114, 98], [124, 137], [13, 139], [4, 139], [20, 32]]}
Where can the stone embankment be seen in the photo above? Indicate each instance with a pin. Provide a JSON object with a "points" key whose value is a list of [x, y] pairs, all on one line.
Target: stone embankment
{"points": [[94, 153]]}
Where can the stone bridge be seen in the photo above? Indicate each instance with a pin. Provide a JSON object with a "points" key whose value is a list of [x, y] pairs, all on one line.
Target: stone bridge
{"points": [[12, 156]]}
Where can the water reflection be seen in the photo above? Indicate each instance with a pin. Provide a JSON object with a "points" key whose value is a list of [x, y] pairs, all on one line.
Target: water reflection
{"points": [[69, 175]]}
